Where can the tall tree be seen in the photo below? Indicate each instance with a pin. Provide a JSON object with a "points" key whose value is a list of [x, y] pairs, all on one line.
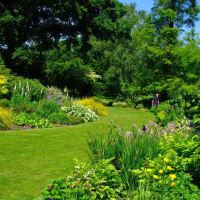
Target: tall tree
{"points": [[175, 13], [40, 25], [169, 17]]}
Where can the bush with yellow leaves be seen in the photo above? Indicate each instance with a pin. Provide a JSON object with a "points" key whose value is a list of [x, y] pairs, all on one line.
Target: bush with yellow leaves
{"points": [[97, 107], [166, 180], [3, 85], [5, 119]]}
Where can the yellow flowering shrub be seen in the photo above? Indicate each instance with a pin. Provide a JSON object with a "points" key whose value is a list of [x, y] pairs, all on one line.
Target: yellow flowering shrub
{"points": [[97, 107], [5, 119], [166, 180], [3, 85]]}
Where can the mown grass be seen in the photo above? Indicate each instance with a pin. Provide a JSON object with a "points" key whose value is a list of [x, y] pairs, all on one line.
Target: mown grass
{"points": [[30, 159]]}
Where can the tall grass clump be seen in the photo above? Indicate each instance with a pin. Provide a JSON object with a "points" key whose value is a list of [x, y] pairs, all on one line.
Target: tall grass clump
{"points": [[130, 150], [5, 119]]}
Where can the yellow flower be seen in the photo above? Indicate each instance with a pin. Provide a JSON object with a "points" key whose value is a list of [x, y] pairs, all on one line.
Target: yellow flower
{"points": [[161, 171], [155, 177], [169, 168], [173, 184], [172, 176], [166, 160]]}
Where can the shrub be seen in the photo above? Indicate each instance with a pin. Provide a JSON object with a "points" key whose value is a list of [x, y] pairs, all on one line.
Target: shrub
{"points": [[3, 85], [130, 150], [187, 148], [22, 104], [74, 120], [47, 107], [57, 95], [105, 101], [120, 104], [59, 118], [166, 181], [98, 108], [34, 121], [33, 90], [168, 111], [4, 103], [5, 119], [82, 112], [100, 182]]}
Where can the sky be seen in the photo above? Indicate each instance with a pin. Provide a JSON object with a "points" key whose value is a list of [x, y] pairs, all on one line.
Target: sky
{"points": [[148, 4]]}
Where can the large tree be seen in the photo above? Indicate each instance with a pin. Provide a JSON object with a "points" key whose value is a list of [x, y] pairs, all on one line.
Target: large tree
{"points": [[169, 18], [35, 26], [175, 13]]}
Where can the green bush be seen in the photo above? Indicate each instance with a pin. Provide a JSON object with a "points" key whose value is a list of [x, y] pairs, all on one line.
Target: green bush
{"points": [[120, 104], [34, 121], [22, 104], [74, 120], [165, 180], [129, 150], [33, 90], [187, 147], [82, 112], [4, 103], [168, 111], [59, 118], [99, 182], [5, 119], [47, 107]]}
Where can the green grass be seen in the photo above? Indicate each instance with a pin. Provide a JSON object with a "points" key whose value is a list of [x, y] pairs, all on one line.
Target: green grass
{"points": [[30, 159]]}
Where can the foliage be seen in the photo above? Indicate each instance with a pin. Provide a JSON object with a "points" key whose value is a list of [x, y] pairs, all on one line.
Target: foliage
{"points": [[105, 101], [165, 181], [47, 107], [3, 85], [97, 107], [59, 118], [33, 90], [120, 104], [4, 103], [168, 111], [72, 73], [34, 121], [82, 112], [100, 182], [57, 95], [187, 147], [56, 20], [6, 121], [22, 104], [129, 150]]}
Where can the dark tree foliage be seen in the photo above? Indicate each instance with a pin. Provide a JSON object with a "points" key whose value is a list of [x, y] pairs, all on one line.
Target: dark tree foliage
{"points": [[35, 26]]}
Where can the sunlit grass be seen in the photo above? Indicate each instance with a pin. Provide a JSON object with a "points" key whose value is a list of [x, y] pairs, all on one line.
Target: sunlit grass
{"points": [[30, 159]]}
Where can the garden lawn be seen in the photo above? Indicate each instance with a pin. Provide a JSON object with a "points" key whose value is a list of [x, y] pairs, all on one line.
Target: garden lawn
{"points": [[30, 159]]}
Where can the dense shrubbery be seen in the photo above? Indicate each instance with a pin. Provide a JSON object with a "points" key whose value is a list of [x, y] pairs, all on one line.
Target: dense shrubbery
{"points": [[33, 90], [164, 163], [97, 107], [102, 181], [129, 150], [82, 112]]}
